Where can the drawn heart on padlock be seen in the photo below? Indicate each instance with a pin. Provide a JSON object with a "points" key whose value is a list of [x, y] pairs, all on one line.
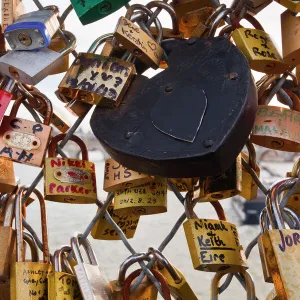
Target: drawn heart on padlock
{"points": [[190, 120], [152, 46]]}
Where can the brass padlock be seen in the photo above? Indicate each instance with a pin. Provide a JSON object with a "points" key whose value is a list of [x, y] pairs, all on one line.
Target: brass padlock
{"points": [[259, 49], [222, 186], [78, 108], [69, 180], [29, 280], [277, 127], [7, 176], [184, 184], [146, 199], [214, 244], [249, 187], [103, 230], [25, 141], [61, 284], [97, 79], [179, 287], [118, 177], [292, 5], [250, 287], [254, 7]]}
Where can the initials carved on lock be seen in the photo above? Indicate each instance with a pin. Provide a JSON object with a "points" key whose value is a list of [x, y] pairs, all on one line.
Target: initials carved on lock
{"points": [[21, 140]]}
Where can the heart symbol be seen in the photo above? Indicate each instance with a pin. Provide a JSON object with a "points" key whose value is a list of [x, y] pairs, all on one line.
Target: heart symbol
{"points": [[152, 45]]}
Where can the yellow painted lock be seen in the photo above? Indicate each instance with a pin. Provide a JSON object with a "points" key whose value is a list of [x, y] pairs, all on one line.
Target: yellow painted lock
{"points": [[70, 180], [29, 280], [258, 48], [179, 287], [292, 5], [146, 199], [118, 177], [63, 285], [249, 187], [214, 244], [105, 231]]}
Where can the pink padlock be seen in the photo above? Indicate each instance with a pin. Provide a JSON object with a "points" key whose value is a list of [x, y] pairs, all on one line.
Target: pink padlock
{"points": [[5, 97]]}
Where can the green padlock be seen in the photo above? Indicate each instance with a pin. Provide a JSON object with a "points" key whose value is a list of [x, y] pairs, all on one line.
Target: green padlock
{"points": [[90, 11]]}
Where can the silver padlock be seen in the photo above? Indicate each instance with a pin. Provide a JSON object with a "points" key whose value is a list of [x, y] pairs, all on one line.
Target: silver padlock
{"points": [[33, 30], [92, 281], [31, 67]]}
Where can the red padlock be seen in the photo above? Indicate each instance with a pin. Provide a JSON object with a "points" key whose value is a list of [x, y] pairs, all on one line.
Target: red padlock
{"points": [[6, 96]]}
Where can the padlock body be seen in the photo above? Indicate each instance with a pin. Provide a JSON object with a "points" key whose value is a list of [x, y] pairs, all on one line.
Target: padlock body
{"points": [[146, 199], [7, 251], [97, 79], [118, 177], [225, 185], [32, 31], [293, 6], [63, 286], [254, 10], [277, 128], [78, 108], [24, 141], [5, 291], [11, 10], [249, 187], [93, 10], [184, 184], [7, 176], [29, 280], [105, 231], [70, 180], [136, 41], [5, 98], [294, 203], [214, 245], [263, 240], [260, 51]]}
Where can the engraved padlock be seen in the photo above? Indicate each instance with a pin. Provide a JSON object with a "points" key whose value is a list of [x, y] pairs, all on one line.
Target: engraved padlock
{"points": [[69, 180], [11, 10], [97, 79], [25, 141], [33, 30]]}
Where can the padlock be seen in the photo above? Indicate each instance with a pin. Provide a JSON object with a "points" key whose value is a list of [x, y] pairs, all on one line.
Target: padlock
{"points": [[223, 186], [149, 138], [2, 43], [214, 244], [61, 284], [69, 180], [89, 11], [277, 127], [146, 199], [146, 290], [249, 187], [7, 240], [97, 79], [25, 141], [92, 280], [11, 10], [118, 177], [250, 287], [179, 287], [259, 49], [255, 10], [137, 41], [6, 96], [160, 278], [292, 5], [184, 184], [281, 246], [31, 243], [29, 280], [103, 230], [32, 31], [7, 176], [78, 108], [33, 66]]}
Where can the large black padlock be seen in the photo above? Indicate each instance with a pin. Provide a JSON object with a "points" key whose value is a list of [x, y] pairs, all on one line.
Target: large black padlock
{"points": [[190, 120]]}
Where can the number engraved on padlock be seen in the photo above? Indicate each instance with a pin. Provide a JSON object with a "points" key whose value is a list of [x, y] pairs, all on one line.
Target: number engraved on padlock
{"points": [[21, 140], [72, 175]]}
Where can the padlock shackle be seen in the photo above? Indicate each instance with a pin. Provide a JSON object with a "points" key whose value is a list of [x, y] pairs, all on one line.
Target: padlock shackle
{"points": [[161, 279], [250, 287], [9, 211], [166, 263], [170, 10], [129, 261], [189, 206], [292, 215], [69, 46], [74, 138], [219, 210], [251, 154], [296, 168], [28, 238], [58, 257], [99, 41], [19, 224], [218, 19], [253, 21], [264, 221]]}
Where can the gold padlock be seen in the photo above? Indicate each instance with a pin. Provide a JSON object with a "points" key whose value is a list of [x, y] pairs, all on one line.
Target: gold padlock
{"points": [[25, 141], [249, 187], [29, 280], [179, 287], [78, 108], [7, 176], [146, 199], [292, 5], [70, 180], [258, 48], [222, 186], [184, 184], [105, 231], [214, 244], [62, 285], [118, 177]]}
